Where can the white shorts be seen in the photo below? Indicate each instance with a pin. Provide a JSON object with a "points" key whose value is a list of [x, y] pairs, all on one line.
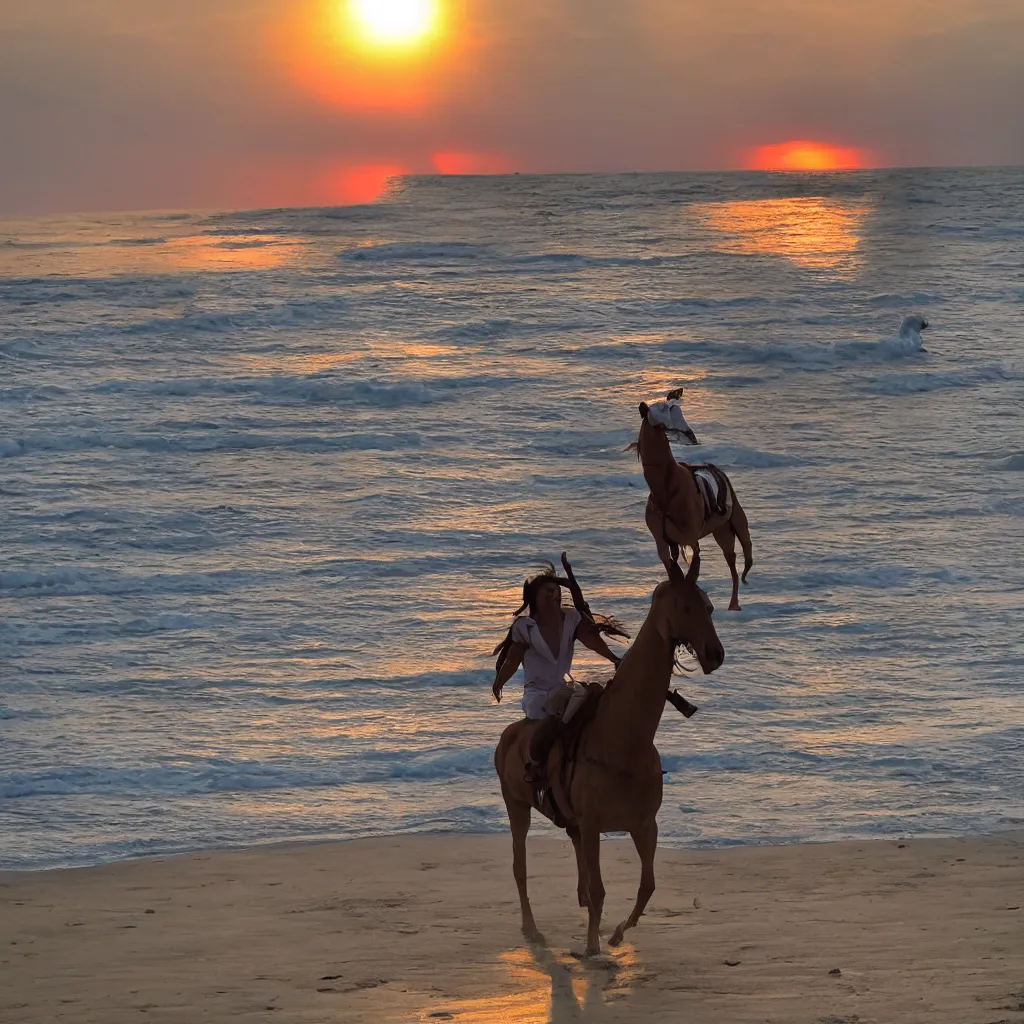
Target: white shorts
{"points": [[535, 701]]}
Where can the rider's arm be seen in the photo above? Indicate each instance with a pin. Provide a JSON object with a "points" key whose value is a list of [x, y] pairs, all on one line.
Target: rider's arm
{"points": [[590, 636], [513, 659]]}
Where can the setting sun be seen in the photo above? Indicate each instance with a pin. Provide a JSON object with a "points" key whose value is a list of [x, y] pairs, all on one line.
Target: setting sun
{"points": [[374, 56], [804, 155], [394, 23]]}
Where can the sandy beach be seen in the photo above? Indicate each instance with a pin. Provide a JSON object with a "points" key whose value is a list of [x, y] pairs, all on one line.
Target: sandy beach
{"points": [[427, 929]]}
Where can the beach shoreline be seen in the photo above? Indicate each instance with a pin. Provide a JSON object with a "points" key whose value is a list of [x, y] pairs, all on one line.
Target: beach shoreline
{"points": [[426, 927]]}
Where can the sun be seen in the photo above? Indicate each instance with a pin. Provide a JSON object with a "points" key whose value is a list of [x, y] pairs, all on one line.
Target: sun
{"points": [[806, 155], [394, 23]]}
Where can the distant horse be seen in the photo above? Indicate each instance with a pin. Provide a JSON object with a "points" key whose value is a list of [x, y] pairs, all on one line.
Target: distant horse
{"points": [[608, 778], [688, 502]]}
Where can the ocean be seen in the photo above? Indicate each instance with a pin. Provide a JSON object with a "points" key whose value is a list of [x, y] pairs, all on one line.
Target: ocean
{"points": [[271, 482]]}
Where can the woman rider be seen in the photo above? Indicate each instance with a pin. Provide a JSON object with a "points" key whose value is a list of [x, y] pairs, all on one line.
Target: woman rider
{"points": [[544, 641]]}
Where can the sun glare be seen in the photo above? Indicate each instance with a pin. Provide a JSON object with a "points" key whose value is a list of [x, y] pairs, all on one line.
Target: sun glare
{"points": [[804, 155], [810, 231], [394, 23], [386, 56]]}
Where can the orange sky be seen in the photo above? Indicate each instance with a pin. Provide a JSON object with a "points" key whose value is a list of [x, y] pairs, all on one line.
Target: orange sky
{"points": [[140, 104]]}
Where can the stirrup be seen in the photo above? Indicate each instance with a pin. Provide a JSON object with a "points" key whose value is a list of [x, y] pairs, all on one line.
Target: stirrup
{"points": [[544, 801]]}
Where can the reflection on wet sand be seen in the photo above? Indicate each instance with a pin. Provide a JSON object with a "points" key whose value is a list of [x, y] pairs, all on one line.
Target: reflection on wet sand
{"points": [[551, 988], [810, 231]]}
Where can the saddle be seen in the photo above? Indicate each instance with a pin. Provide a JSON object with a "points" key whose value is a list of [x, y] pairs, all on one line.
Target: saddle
{"points": [[714, 490], [564, 755]]}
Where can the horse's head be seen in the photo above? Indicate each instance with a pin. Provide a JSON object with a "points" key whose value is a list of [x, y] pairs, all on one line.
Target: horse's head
{"points": [[684, 616]]}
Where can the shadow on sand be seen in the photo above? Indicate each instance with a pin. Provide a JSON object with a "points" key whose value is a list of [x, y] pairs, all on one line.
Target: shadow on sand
{"points": [[551, 987]]}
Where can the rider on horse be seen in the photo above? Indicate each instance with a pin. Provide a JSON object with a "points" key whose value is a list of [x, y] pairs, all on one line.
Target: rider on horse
{"points": [[544, 642]]}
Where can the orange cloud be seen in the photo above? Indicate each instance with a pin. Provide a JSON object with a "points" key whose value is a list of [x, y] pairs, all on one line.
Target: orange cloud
{"points": [[805, 155], [472, 163]]}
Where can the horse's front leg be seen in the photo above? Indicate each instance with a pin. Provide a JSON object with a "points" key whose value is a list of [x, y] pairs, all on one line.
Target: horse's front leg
{"points": [[645, 839], [590, 841], [519, 822], [582, 886], [668, 551]]}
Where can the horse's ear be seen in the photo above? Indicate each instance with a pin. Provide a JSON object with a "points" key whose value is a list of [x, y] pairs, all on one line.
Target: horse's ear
{"points": [[643, 410], [675, 574], [694, 571]]}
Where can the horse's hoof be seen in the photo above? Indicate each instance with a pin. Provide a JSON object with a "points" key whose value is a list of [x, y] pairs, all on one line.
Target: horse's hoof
{"points": [[534, 937], [734, 606], [616, 939], [592, 951]]}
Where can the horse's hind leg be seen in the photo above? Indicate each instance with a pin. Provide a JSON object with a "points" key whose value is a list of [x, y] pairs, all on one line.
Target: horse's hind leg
{"points": [[519, 822], [727, 542], [645, 839]]}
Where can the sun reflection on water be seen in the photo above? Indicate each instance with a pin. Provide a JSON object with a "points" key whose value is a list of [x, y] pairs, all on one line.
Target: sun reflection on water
{"points": [[811, 231], [92, 252]]}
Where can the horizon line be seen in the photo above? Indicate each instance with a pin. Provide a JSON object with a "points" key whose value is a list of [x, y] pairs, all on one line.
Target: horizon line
{"points": [[14, 218]]}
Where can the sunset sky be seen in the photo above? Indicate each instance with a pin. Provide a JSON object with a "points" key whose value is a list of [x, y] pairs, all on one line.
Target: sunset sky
{"points": [[140, 104]]}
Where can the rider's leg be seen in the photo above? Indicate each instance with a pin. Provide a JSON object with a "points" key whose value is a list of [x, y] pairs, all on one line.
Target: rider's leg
{"points": [[543, 738]]}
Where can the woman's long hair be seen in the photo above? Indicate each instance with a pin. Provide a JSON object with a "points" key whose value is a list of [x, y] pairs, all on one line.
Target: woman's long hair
{"points": [[532, 587]]}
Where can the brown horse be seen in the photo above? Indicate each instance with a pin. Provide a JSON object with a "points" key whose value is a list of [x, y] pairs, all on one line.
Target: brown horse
{"points": [[677, 513], [613, 781]]}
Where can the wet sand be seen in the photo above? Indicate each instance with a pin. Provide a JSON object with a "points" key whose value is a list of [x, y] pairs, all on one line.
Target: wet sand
{"points": [[426, 929]]}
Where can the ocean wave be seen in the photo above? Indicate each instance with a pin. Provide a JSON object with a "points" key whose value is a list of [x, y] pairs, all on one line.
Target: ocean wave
{"points": [[480, 330], [410, 251], [73, 582], [1011, 464], [131, 291], [259, 315], [221, 775], [922, 381], [737, 456], [803, 355], [221, 440], [807, 356], [155, 240], [891, 300], [21, 348], [313, 389], [40, 393]]}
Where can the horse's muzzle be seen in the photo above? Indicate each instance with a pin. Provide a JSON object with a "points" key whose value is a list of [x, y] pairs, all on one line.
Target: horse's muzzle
{"points": [[714, 657]]}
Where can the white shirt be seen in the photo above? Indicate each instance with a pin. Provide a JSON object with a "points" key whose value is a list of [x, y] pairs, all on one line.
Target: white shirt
{"points": [[545, 669]]}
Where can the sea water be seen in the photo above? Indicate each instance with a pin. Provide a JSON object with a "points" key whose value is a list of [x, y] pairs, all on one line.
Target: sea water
{"points": [[271, 481]]}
